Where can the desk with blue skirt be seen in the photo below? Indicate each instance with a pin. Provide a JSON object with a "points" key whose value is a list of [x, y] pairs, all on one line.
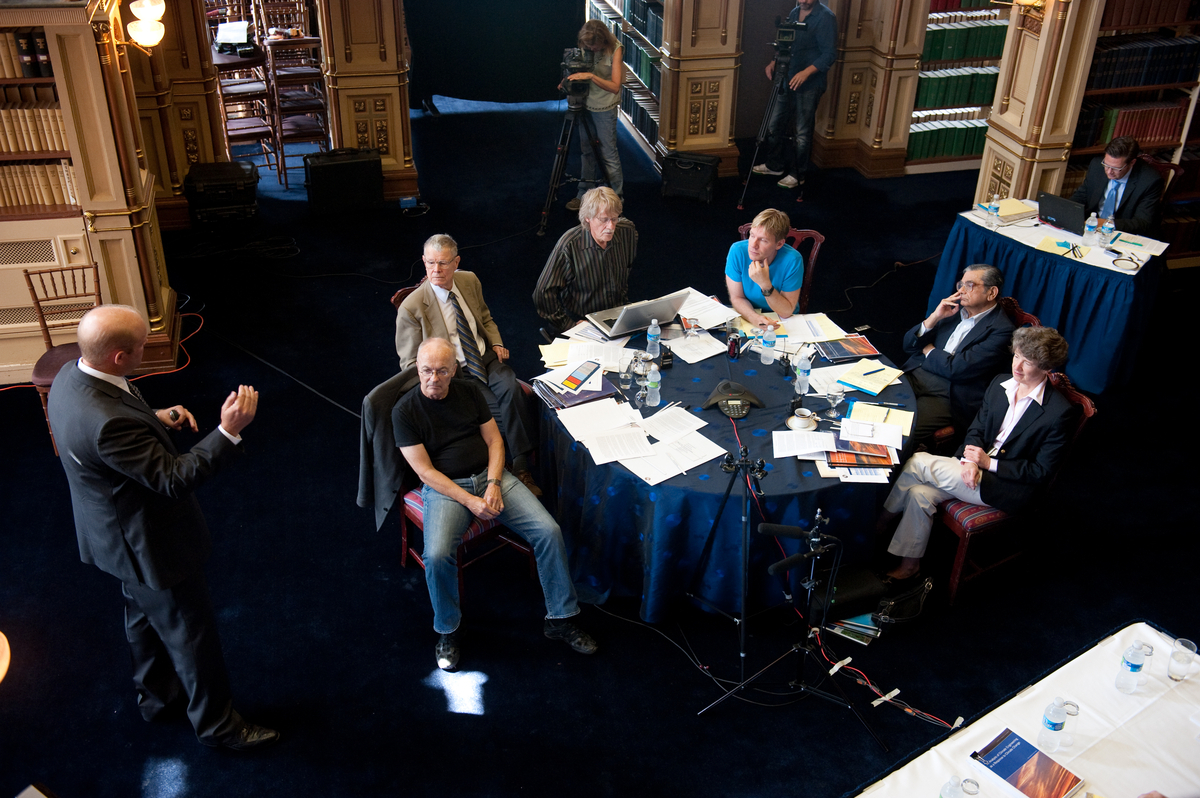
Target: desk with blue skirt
{"points": [[625, 537]]}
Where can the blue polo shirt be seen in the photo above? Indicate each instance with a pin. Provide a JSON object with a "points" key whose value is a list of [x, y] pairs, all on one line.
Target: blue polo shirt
{"points": [[787, 272]]}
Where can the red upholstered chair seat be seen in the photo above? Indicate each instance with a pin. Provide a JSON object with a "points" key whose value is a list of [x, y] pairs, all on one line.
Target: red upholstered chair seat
{"points": [[473, 546], [972, 517]]}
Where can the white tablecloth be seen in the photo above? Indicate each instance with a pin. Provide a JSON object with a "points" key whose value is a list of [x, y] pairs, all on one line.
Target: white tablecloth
{"points": [[1125, 745]]}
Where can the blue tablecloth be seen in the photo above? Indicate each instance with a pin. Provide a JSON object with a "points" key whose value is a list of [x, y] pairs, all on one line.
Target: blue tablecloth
{"points": [[627, 538], [1100, 312]]}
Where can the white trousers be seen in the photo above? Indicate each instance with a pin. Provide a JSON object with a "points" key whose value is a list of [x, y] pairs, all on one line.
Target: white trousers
{"points": [[925, 481]]}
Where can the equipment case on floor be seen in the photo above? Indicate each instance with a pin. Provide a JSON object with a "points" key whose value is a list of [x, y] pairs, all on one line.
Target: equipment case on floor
{"points": [[690, 174], [222, 190], [344, 180]]}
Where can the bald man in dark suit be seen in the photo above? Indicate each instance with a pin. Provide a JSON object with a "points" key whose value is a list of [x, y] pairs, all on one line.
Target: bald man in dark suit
{"points": [[136, 518]]}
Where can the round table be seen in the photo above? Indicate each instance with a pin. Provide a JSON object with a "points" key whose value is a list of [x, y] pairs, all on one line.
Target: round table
{"points": [[627, 538]]}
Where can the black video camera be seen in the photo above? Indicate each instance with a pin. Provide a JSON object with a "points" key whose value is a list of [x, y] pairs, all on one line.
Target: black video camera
{"points": [[785, 38], [575, 60]]}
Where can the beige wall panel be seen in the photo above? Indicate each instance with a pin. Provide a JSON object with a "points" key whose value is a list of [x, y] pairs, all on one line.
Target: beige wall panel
{"points": [[997, 172], [710, 27], [1066, 95], [902, 97], [705, 106], [369, 119], [85, 115], [119, 269]]}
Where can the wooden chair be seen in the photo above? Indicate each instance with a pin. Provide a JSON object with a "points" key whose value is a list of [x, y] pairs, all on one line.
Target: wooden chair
{"points": [[61, 296], [944, 437], [795, 238], [969, 521], [1169, 172], [401, 295]]}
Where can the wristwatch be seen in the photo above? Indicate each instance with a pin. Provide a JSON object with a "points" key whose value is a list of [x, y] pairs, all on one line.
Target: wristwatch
{"points": [[768, 291], [495, 482]]}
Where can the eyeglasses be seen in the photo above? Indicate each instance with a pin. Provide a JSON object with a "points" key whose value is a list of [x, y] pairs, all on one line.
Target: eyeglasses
{"points": [[604, 221], [966, 285], [1116, 169], [443, 263], [427, 372]]}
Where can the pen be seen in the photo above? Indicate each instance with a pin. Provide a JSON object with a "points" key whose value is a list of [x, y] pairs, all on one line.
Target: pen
{"points": [[872, 371], [887, 404], [1115, 240], [1136, 244]]}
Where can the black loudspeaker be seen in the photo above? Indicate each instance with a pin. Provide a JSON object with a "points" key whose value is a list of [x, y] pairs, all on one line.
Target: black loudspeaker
{"points": [[690, 174], [343, 181], [222, 190]]}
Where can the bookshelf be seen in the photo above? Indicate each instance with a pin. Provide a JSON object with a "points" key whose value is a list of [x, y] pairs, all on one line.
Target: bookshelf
{"points": [[682, 58], [74, 186]]}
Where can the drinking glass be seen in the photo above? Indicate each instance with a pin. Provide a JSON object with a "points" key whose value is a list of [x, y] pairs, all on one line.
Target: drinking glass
{"points": [[641, 368], [691, 328], [1180, 663], [626, 372], [834, 394]]}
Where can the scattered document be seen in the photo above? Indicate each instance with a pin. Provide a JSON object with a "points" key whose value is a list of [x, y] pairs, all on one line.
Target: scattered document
{"points": [[808, 328], [671, 424], [1137, 245], [617, 444], [820, 379], [556, 353], [586, 331], [793, 443], [560, 378], [691, 451], [878, 475], [707, 311], [693, 350], [869, 376], [586, 420], [878, 414], [1067, 248], [609, 355], [653, 469], [871, 432]]}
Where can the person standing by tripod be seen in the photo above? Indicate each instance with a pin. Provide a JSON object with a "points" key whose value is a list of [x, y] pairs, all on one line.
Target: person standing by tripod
{"points": [[812, 54], [604, 95]]}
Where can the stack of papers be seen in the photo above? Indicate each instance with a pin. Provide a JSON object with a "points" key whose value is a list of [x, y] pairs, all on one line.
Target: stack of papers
{"points": [[869, 376], [860, 452], [693, 350], [707, 311]]}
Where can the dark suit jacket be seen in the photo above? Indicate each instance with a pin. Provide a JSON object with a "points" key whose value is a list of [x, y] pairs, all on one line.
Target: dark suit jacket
{"points": [[1032, 453], [979, 356], [1138, 211], [420, 317], [382, 470], [132, 491]]}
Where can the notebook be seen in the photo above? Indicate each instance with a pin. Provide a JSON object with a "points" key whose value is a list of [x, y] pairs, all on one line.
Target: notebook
{"points": [[636, 316]]}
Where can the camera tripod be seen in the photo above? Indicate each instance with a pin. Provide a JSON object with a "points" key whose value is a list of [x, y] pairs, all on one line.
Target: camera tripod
{"points": [[809, 647], [783, 60], [583, 117]]}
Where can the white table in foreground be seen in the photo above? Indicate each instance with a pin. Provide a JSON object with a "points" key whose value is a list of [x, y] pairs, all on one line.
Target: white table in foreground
{"points": [[1125, 745]]}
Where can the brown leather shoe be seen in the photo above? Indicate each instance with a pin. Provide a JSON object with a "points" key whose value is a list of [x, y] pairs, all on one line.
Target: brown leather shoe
{"points": [[527, 480], [245, 736]]}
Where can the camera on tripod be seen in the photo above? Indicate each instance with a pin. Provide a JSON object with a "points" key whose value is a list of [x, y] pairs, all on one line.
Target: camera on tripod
{"points": [[576, 59], [785, 38]]}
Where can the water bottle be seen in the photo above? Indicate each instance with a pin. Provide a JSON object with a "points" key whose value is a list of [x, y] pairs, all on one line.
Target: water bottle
{"points": [[1089, 229], [803, 372], [1131, 666], [1055, 717], [952, 788], [653, 394], [993, 209], [767, 355], [654, 336], [1106, 231]]}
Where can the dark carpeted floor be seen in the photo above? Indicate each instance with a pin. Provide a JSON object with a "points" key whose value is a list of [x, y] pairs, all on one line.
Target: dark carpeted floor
{"points": [[329, 640]]}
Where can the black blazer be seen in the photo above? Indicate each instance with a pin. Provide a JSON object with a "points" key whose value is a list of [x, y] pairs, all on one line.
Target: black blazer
{"points": [[1032, 452], [132, 491], [1138, 211], [981, 354]]}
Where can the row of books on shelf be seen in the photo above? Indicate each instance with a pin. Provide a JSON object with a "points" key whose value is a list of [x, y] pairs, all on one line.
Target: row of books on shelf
{"points": [[946, 139], [1143, 60], [1146, 122], [963, 15], [955, 41], [642, 118], [951, 5], [944, 88], [646, 16], [1073, 178], [643, 63], [951, 114], [24, 54], [32, 128], [1181, 232], [38, 184], [1127, 13]]}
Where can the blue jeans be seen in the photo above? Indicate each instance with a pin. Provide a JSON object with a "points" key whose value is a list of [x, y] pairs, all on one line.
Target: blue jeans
{"points": [[445, 523], [802, 105], [606, 132]]}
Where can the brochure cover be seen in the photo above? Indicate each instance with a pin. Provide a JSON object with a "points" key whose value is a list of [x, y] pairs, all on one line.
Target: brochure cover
{"points": [[1022, 765]]}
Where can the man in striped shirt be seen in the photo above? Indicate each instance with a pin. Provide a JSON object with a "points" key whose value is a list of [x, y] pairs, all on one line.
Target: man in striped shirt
{"points": [[589, 267]]}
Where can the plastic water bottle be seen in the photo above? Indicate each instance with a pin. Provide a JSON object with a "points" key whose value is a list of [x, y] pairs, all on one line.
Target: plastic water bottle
{"points": [[803, 372], [654, 336], [1106, 231], [653, 394], [1089, 230], [767, 355], [1055, 717], [952, 788], [993, 209], [1131, 666]]}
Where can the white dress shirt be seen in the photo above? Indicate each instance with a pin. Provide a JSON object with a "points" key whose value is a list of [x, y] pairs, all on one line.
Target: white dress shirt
{"points": [[964, 326], [450, 316], [1016, 409]]}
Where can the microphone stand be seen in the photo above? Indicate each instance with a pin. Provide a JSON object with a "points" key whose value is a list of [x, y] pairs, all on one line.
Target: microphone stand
{"points": [[754, 470]]}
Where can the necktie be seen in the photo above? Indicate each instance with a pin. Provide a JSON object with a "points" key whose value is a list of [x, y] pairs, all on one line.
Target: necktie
{"points": [[1110, 201], [133, 389], [467, 340]]}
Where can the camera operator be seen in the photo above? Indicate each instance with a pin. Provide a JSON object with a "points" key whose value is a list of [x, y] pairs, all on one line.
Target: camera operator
{"points": [[603, 96], [812, 54]]}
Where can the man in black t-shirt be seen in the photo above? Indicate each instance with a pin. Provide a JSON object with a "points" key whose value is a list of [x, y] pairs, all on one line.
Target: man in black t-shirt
{"points": [[448, 436]]}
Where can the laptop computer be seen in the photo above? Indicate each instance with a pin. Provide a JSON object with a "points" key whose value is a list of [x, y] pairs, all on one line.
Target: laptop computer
{"points": [[636, 316], [1061, 212]]}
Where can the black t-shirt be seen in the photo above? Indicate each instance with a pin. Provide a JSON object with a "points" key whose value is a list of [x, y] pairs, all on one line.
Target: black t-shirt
{"points": [[449, 428]]}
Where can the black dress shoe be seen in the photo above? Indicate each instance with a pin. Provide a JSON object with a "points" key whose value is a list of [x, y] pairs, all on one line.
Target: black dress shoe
{"points": [[446, 651], [245, 736]]}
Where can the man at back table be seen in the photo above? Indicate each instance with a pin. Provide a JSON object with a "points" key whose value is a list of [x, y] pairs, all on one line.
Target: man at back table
{"points": [[763, 273], [588, 270], [450, 305], [1122, 187], [956, 351], [449, 438]]}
